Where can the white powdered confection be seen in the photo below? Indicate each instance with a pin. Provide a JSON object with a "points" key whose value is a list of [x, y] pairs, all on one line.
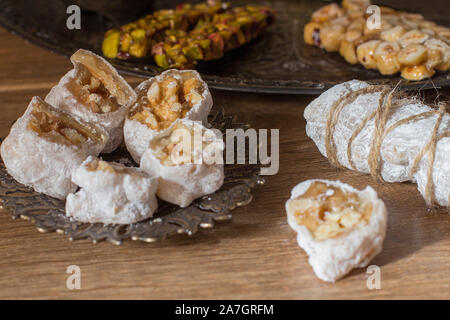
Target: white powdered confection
{"points": [[393, 137], [181, 182], [95, 92], [339, 227], [161, 100], [44, 158], [111, 193]]}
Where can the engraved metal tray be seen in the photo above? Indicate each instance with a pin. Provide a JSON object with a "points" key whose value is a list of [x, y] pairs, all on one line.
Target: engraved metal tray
{"points": [[47, 213], [277, 62]]}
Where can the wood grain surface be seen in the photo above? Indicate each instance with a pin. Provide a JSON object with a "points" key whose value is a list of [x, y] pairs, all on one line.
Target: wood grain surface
{"points": [[255, 256]]}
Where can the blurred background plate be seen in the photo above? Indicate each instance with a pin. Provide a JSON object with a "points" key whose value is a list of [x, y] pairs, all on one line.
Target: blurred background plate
{"points": [[276, 62]]}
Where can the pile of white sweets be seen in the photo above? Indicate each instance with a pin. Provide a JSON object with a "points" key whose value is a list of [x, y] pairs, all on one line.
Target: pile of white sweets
{"points": [[53, 147]]}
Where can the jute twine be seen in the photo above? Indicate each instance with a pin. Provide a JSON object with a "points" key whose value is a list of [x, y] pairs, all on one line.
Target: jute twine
{"points": [[389, 100]]}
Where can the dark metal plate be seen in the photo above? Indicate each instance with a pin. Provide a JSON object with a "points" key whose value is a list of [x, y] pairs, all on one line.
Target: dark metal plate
{"points": [[48, 215], [277, 62]]}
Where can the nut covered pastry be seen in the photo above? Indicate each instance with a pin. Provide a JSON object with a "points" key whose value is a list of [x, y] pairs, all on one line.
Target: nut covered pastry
{"points": [[188, 160], [211, 39], [95, 92], [44, 146], [190, 33], [403, 42], [161, 100], [392, 136], [136, 38], [339, 227], [111, 193]]}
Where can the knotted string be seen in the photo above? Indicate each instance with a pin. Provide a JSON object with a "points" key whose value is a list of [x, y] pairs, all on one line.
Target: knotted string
{"points": [[381, 113]]}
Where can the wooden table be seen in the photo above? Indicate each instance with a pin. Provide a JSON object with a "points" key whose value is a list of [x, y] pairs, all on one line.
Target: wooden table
{"points": [[255, 256]]}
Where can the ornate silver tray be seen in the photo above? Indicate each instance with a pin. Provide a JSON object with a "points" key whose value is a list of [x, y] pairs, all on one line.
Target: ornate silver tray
{"points": [[277, 62], [47, 213]]}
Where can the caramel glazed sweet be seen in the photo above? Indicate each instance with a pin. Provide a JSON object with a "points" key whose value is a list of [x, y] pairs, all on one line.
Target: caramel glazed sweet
{"points": [[404, 42], [185, 171], [46, 144]]}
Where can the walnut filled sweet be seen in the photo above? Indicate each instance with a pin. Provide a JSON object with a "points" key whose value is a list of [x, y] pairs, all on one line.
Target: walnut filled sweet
{"points": [[162, 100], [45, 144], [188, 159], [94, 92], [97, 98], [167, 101], [328, 211], [183, 145]]}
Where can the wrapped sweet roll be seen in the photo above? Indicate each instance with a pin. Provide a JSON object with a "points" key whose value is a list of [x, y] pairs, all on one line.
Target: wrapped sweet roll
{"points": [[339, 227], [374, 129], [188, 160], [96, 93], [161, 100], [111, 193], [46, 144]]}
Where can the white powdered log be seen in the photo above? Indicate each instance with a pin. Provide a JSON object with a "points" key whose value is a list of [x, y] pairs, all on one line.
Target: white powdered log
{"points": [[374, 129]]}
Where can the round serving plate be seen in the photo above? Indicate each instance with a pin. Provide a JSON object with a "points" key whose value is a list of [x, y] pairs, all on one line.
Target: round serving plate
{"points": [[48, 215], [277, 62]]}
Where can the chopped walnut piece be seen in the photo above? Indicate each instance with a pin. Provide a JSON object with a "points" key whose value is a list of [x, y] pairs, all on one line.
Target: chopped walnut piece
{"points": [[73, 136], [153, 93], [168, 100], [94, 75], [328, 211], [180, 146], [60, 127], [97, 97], [95, 165]]}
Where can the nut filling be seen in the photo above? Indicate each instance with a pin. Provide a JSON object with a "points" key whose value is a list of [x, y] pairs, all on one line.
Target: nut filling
{"points": [[167, 100], [59, 127], [328, 211], [97, 98], [182, 145]]}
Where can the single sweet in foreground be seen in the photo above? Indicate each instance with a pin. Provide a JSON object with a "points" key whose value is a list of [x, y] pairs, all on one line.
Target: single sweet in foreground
{"points": [[111, 193], [95, 92], [188, 158], [161, 100], [339, 227], [44, 146], [391, 135]]}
